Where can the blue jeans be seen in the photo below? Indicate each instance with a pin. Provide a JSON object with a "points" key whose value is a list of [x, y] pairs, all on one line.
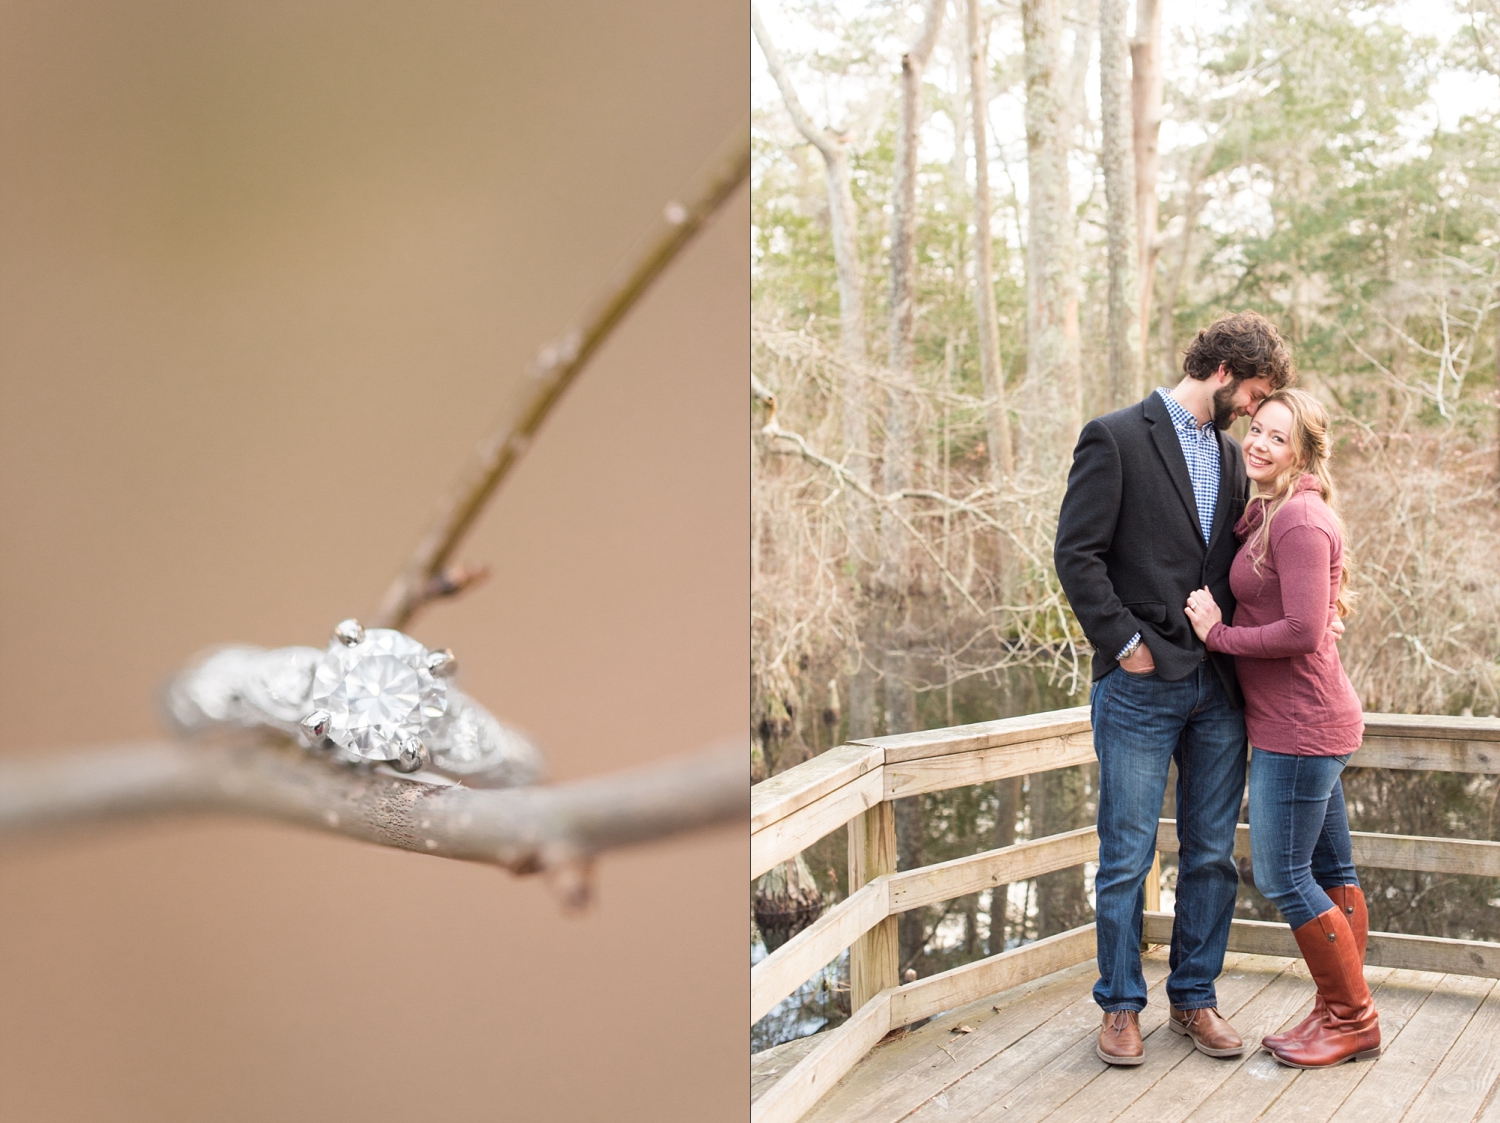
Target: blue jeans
{"points": [[1299, 833], [1141, 724]]}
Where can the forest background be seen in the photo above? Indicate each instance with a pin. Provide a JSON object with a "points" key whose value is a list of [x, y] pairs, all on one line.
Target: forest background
{"points": [[930, 331]]}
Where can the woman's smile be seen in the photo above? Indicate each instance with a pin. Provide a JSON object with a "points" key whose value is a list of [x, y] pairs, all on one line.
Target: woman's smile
{"points": [[1268, 445]]}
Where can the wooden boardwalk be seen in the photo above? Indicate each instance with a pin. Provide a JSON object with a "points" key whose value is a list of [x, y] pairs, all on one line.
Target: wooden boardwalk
{"points": [[1029, 1057]]}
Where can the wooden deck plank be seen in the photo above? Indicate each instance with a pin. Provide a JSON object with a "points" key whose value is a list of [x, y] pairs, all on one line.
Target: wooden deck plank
{"points": [[1013, 1071], [1490, 1113], [1399, 997], [1259, 1084], [1399, 1075], [771, 1063], [901, 1074], [1251, 993], [1031, 1060], [1196, 1077], [1044, 1089], [1462, 1082]]}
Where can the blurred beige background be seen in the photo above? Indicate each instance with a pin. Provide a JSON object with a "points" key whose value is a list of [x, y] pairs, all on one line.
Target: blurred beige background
{"points": [[266, 274]]}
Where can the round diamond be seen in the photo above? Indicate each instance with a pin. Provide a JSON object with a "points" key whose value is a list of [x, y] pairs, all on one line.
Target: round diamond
{"points": [[378, 693]]}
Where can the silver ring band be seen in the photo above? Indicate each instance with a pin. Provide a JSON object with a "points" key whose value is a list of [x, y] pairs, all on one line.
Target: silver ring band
{"points": [[372, 696]]}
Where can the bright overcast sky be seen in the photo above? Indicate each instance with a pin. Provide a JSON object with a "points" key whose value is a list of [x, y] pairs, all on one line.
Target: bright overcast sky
{"points": [[1455, 93]]}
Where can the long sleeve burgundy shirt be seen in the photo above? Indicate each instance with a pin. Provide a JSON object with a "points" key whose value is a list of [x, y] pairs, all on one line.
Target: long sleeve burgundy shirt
{"points": [[1297, 697]]}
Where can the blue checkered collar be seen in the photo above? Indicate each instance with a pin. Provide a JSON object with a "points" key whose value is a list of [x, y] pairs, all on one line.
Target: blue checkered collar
{"points": [[1182, 420]]}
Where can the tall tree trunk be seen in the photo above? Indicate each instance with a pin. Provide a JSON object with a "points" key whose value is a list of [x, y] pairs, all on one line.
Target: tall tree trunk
{"points": [[1145, 107], [893, 577], [1052, 392], [992, 375], [1121, 201], [844, 231]]}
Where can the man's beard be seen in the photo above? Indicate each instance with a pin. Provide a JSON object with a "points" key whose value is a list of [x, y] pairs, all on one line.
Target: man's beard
{"points": [[1224, 406]]}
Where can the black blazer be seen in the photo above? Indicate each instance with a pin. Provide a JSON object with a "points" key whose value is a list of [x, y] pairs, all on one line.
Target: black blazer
{"points": [[1129, 546]]}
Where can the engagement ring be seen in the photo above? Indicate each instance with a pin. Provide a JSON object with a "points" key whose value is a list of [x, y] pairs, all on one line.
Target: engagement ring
{"points": [[375, 696]]}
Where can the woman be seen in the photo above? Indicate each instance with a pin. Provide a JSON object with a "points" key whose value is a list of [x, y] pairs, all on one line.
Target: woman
{"points": [[1302, 716]]}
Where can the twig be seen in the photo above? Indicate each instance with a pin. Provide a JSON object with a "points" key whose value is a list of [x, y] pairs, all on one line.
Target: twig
{"points": [[556, 828], [551, 374]]}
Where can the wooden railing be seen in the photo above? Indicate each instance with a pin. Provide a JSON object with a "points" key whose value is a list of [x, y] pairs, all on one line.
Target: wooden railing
{"points": [[853, 787]]}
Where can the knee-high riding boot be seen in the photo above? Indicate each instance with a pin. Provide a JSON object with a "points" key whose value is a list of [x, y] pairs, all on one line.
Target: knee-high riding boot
{"points": [[1350, 900], [1350, 1027]]}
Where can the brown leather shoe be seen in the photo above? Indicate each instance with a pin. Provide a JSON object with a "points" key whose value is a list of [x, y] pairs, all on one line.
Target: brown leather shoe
{"points": [[1351, 901], [1120, 1039], [1211, 1032]]}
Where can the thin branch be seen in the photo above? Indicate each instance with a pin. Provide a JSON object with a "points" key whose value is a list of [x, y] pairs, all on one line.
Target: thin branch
{"points": [[557, 827], [427, 574]]}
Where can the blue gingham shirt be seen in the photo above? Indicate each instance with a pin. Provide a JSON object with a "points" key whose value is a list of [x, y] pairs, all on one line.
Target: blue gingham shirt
{"points": [[1200, 448]]}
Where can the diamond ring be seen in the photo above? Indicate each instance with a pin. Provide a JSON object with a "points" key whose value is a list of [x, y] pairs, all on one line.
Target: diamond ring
{"points": [[374, 696]]}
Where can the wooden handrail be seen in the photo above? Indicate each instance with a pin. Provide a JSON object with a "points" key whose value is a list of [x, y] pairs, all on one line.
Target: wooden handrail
{"points": [[791, 811], [795, 961], [817, 945], [1386, 949], [792, 790], [1419, 853]]}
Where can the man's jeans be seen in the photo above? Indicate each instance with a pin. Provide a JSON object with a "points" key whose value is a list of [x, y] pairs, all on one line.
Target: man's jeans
{"points": [[1141, 723]]}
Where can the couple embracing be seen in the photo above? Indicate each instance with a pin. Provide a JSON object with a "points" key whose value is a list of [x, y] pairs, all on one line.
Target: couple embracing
{"points": [[1210, 579]]}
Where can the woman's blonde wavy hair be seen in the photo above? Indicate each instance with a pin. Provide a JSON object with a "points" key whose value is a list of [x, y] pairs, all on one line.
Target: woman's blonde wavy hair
{"points": [[1312, 452]]}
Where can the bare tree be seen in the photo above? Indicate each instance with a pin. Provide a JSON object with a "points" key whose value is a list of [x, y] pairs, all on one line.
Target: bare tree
{"points": [[1145, 109], [1121, 203], [894, 573], [1052, 393], [833, 146], [991, 373]]}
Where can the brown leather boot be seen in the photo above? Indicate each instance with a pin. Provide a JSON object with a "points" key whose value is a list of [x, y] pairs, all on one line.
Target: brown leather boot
{"points": [[1350, 900], [1350, 1027], [1120, 1039], [1210, 1031]]}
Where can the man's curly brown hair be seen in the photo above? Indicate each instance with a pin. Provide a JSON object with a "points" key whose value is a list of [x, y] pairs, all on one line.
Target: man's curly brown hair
{"points": [[1247, 344]]}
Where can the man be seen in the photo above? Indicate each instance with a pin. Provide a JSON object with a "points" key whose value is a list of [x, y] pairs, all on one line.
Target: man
{"points": [[1149, 516]]}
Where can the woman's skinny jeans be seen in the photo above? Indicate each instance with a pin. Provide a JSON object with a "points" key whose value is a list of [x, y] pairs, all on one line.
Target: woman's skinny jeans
{"points": [[1299, 833]]}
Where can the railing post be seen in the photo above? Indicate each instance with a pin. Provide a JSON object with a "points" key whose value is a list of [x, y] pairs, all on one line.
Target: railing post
{"points": [[874, 957], [1153, 884]]}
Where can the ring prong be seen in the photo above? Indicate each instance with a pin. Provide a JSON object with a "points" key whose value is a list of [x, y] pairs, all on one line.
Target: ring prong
{"points": [[315, 727], [412, 756], [349, 632], [442, 663]]}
